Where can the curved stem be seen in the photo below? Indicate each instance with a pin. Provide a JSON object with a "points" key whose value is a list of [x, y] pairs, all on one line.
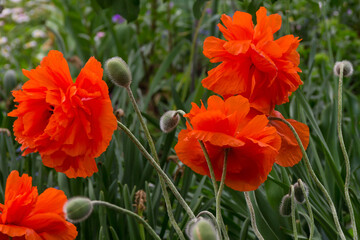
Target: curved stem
{"points": [[346, 157], [158, 169], [314, 177], [219, 218], [293, 219], [252, 216], [308, 205], [207, 157], [128, 212]]}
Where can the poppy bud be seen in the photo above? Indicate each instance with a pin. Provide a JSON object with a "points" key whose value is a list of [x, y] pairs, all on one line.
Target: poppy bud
{"points": [[78, 209], [348, 68], [118, 71], [201, 229], [119, 113], [298, 193], [169, 121], [9, 81], [285, 206]]}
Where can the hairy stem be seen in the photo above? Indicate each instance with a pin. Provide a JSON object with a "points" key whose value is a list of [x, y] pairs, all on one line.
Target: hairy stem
{"points": [[308, 205], [293, 219], [314, 177], [346, 157], [219, 218], [252, 216]]}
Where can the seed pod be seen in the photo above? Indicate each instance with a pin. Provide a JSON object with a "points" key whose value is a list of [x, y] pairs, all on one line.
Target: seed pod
{"points": [[78, 209], [348, 68], [118, 71]]}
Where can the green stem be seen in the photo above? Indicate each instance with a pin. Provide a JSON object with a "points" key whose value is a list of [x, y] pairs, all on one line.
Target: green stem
{"points": [[141, 226], [130, 213], [252, 216], [219, 218], [308, 205], [314, 177], [346, 157], [163, 177], [207, 157], [293, 219]]}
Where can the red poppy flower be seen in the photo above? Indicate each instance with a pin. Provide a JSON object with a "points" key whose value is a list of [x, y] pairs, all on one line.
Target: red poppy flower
{"points": [[253, 145], [290, 152], [28, 215], [68, 123], [254, 65]]}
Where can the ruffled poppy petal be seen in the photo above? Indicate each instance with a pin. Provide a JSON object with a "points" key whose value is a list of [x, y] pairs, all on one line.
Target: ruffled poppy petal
{"points": [[20, 198], [18, 232], [25, 215], [226, 79], [252, 63], [223, 126], [69, 124], [53, 73], [51, 225], [255, 166], [290, 152], [214, 49], [190, 153]]}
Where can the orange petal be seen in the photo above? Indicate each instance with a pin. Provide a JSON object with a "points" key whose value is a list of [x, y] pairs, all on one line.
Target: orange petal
{"points": [[237, 47], [290, 152], [53, 73], [214, 49], [229, 78]]}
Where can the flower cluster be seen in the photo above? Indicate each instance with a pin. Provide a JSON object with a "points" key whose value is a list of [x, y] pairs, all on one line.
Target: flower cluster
{"points": [[28, 215], [256, 73], [68, 123]]}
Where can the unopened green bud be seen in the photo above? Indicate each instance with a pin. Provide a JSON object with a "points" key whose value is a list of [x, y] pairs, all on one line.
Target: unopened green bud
{"points": [[78, 209], [169, 121], [9, 81], [299, 194], [348, 68], [201, 229], [118, 71], [285, 206]]}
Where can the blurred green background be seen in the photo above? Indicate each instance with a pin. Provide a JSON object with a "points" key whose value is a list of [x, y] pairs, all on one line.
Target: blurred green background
{"points": [[162, 43]]}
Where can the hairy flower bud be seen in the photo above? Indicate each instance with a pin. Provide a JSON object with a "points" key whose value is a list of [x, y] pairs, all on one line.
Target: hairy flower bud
{"points": [[118, 71], [348, 68], [285, 206], [78, 209], [201, 229], [299, 194], [9, 81], [169, 121]]}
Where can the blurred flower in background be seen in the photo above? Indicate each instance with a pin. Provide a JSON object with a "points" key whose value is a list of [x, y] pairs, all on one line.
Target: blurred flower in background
{"points": [[117, 18], [37, 33], [99, 35]]}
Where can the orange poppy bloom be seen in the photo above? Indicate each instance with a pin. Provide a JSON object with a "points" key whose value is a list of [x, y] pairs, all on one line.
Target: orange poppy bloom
{"points": [[290, 152], [28, 215], [69, 124], [253, 145], [253, 64]]}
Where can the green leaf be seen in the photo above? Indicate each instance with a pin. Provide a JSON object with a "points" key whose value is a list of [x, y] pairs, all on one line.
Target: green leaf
{"points": [[197, 8], [128, 9]]}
